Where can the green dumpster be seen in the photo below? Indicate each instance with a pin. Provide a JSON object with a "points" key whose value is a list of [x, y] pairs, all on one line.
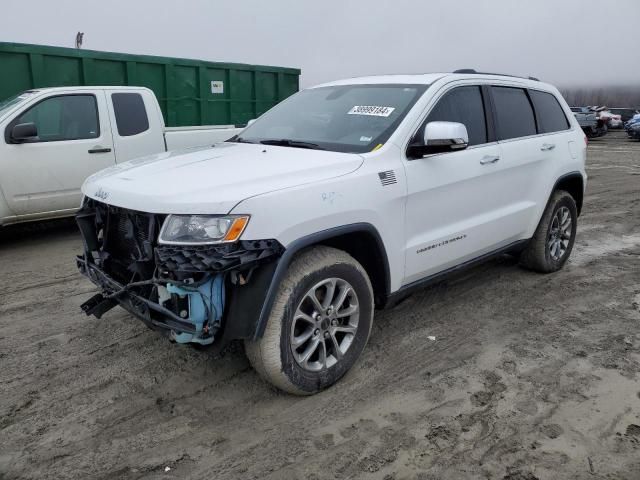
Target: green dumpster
{"points": [[190, 92]]}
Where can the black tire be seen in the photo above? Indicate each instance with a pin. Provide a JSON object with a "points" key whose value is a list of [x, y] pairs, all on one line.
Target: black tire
{"points": [[538, 255], [272, 356]]}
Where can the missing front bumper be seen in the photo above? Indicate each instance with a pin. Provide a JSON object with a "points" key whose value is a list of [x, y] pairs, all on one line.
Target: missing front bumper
{"points": [[179, 289], [114, 293]]}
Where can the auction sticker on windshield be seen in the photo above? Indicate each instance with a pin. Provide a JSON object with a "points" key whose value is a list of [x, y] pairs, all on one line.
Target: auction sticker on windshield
{"points": [[371, 110]]}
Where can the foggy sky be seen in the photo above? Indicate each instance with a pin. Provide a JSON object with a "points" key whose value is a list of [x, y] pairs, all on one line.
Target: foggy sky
{"points": [[566, 42]]}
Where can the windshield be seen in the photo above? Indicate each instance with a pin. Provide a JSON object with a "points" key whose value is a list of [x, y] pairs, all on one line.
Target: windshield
{"points": [[10, 102], [345, 118]]}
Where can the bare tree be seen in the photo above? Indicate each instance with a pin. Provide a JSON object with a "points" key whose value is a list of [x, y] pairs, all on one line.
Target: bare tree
{"points": [[614, 96]]}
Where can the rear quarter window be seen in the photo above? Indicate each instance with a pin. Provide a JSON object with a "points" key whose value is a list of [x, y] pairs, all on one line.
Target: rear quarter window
{"points": [[514, 113], [551, 117], [131, 114]]}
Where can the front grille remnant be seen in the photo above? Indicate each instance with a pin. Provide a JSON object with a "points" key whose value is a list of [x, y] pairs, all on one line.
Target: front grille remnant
{"points": [[124, 244], [215, 258], [119, 241], [122, 256], [127, 233]]}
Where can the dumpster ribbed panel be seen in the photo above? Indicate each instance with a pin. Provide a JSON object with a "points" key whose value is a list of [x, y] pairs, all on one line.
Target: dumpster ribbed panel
{"points": [[190, 92]]}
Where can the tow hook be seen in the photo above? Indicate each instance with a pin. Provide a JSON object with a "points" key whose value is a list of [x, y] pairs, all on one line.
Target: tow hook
{"points": [[98, 305]]}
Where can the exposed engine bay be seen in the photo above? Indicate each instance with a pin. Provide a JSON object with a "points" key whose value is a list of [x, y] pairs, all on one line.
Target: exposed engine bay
{"points": [[181, 289]]}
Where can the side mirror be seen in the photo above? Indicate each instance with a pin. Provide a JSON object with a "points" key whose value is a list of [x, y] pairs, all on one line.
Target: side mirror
{"points": [[251, 122], [440, 137], [24, 131]]}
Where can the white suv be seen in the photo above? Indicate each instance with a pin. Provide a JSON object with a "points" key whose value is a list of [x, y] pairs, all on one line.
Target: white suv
{"points": [[343, 198]]}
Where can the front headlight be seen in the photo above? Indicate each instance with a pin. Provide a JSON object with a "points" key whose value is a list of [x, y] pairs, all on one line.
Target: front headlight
{"points": [[202, 229]]}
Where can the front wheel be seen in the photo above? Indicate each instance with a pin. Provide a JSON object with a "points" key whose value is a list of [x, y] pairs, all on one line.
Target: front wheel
{"points": [[319, 323], [552, 243]]}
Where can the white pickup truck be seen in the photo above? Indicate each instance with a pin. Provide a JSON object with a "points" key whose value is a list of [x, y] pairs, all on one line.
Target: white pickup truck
{"points": [[54, 138]]}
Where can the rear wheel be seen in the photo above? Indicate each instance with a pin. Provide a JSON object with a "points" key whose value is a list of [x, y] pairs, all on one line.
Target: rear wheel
{"points": [[319, 324], [552, 243]]}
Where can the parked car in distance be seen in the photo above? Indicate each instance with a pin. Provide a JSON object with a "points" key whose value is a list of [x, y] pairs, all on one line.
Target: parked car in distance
{"points": [[626, 114], [628, 126], [612, 120], [633, 129], [615, 122], [54, 138], [344, 197], [588, 120]]}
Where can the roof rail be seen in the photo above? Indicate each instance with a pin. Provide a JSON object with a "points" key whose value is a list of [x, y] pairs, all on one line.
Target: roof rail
{"points": [[471, 70]]}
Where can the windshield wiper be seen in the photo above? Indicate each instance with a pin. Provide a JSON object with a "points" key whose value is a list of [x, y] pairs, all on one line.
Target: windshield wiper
{"points": [[238, 139], [284, 142]]}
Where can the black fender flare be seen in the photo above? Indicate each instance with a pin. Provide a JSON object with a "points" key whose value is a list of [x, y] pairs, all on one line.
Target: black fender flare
{"points": [[563, 178], [307, 241]]}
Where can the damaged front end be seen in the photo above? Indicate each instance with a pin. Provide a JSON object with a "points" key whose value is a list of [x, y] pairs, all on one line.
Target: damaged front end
{"points": [[196, 294]]}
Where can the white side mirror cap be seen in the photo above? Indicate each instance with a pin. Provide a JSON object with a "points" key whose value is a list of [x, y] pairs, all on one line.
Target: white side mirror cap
{"points": [[446, 134]]}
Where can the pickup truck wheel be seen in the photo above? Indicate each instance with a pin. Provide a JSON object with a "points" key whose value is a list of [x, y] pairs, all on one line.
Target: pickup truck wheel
{"points": [[551, 245], [319, 324]]}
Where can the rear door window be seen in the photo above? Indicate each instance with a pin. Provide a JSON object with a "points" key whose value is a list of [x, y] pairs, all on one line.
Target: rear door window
{"points": [[551, 117], [463, 105], [131, 114], [514, 113]]}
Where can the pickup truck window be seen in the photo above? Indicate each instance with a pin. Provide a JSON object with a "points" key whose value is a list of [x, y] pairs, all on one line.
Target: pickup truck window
{"points": [[64, 117], [514, 113], [343, 118], [463, 105], [131, 114], [550, 114]]}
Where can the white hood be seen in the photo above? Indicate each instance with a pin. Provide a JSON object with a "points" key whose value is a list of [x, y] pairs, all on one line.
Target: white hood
{"points": [[213, 180]]}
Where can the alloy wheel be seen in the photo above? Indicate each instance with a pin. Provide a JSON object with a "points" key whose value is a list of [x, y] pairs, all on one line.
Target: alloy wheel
{"points": [[559, 233], [324, 324]]}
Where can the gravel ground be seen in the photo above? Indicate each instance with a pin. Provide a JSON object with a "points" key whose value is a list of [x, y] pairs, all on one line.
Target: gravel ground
{"points": [[530, 376]]}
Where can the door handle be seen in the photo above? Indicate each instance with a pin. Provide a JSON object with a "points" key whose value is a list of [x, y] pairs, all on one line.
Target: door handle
{"points": [[99, 149], [489, 159], [547, 147]]}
